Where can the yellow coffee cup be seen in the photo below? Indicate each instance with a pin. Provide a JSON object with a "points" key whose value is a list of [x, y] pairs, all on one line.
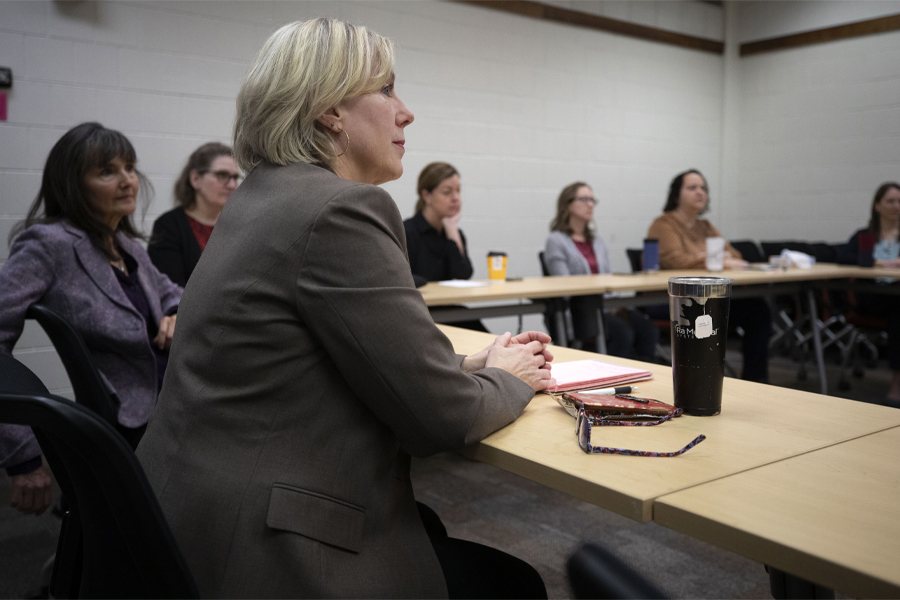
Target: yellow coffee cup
{"points": [[496, 266]]}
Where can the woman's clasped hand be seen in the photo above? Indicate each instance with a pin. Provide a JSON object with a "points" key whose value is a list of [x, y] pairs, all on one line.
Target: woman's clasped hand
{"points": [[525, 355]]}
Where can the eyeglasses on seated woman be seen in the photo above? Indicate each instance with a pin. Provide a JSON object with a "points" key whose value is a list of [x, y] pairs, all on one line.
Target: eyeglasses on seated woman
{"points": [[180, 235]]}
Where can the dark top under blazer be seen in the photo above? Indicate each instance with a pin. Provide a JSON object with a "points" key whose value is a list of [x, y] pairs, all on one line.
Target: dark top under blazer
{"points": [[305, 372], [173, 248], [58, 266], [432, 255]]}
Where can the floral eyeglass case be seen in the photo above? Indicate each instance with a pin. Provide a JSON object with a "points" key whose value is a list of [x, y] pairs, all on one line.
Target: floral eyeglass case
{"points": [[622, 406]]}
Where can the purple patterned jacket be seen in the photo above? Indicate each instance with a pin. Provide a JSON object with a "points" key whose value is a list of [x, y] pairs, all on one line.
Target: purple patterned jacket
{"points": [[58, 266]]}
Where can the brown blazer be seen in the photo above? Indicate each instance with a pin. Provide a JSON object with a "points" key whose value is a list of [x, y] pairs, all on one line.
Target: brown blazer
{"points": [[305, 372], [679, 246]]}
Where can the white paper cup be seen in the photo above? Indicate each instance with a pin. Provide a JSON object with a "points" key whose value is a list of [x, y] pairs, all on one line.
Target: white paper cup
{"points": [[715, 253]]}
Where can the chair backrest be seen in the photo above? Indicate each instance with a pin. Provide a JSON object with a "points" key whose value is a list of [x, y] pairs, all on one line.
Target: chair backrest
{"points": [[750, 251], [16, 378], [635, 258], [87, 384], [595, 572], [128, 550], [773, 248], [544, 270], [824, 253]]}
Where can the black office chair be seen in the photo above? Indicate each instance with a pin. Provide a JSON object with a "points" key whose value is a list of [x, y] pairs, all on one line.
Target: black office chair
{"points": [[16, 378], [595, 572], [90, 391], [635, 259], [749, 251], [114, 542]]}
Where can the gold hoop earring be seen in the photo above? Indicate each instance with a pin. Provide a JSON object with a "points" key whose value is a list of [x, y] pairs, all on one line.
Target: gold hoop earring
{"points": [[344, 131]]}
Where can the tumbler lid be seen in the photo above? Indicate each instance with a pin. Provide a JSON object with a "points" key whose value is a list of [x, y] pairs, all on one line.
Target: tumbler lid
{"points": [[700, 287]]}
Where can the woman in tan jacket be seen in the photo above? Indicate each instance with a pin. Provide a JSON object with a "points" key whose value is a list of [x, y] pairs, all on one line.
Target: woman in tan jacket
{"points": [[682, 245]]}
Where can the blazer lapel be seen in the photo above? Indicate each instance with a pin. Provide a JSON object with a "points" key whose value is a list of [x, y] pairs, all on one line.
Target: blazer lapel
{"points": [[99, 270]]}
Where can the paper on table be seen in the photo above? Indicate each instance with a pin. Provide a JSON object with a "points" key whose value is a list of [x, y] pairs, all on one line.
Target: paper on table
{"points": [[462, 283], [587, 374]]}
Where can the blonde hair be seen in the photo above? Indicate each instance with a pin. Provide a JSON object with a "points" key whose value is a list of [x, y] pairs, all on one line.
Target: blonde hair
{"points": [[304, 69], [432, 176]]}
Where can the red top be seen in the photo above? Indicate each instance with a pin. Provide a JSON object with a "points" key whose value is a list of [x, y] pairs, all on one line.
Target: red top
{"points": [[588, 251], [201, 232]]}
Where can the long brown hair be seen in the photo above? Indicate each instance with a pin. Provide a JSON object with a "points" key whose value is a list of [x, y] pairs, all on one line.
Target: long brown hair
{"points": [[561, 221], [200, 160], [875, 219], [62, 195], [431, 177]]}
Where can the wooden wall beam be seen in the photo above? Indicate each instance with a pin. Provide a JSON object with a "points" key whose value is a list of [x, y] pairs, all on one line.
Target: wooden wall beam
{"points": [[558, 14], [819, 36]]}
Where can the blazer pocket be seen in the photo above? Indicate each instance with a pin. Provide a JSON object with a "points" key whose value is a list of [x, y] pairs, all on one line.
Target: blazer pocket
{"points": [[317, 516]]}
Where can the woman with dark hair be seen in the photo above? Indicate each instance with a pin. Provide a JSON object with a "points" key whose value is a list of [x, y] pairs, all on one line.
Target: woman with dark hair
{"points": [[682, 245], [884, 229], [77, 254], [573, 249], [180, 235], [682, 233]]}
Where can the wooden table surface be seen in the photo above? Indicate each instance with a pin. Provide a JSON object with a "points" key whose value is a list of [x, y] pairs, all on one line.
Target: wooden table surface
{"points": [[577, 285], [759, 424], [830, 516]]}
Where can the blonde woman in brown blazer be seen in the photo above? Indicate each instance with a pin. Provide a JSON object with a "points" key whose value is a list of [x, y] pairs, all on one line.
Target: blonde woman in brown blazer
{"points": [[682, 245], [307, 369]]}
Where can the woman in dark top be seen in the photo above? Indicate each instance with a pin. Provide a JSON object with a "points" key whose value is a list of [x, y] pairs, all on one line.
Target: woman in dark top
{"points": [[884, 229], [434, 241], [180, 235], [437, 247], [76, 253]]}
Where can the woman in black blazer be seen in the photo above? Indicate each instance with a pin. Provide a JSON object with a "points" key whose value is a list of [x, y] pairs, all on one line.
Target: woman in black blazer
{"points": [[180, 235]]}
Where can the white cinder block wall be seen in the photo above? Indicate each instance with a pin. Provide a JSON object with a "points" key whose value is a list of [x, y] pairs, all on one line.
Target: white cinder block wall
{"points": [[819, 125], [522, 107]]}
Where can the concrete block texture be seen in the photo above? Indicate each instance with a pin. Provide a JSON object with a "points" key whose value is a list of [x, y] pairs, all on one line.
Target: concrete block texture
{"points": [[521, 106]]}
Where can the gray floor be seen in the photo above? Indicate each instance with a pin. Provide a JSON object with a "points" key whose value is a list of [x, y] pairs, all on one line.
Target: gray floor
{"points": [[487, 505]]}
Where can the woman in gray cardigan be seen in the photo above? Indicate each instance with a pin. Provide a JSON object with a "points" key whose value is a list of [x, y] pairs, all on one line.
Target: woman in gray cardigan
{"points": [[76, 253], [573, 249]]}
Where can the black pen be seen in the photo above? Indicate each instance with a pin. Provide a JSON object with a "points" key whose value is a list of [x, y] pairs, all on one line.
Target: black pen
{"points": [[612, 391]]}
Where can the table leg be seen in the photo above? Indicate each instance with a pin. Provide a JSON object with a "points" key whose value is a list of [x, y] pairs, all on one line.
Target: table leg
{"points": [[784, 585], [817, 339], [560, 339], [601, 329]]}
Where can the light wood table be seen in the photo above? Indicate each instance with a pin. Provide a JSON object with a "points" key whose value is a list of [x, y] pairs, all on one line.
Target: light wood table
{"points": [[829, 516], [759, 425], [581, 285], [652, 286]]}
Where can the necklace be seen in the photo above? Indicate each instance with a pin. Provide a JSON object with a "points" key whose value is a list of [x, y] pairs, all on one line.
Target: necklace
{"points": [[119, 266]]}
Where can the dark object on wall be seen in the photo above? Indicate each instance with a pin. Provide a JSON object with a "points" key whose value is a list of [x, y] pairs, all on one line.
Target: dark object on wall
{"points": [[548, 12], [5, 78], [595, 572], [819, 36]]}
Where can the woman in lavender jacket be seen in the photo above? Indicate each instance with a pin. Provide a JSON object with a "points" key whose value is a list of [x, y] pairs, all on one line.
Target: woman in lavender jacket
{"points": [[77, 254]]}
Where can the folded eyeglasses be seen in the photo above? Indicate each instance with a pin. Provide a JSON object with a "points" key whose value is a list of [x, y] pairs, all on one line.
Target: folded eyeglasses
{"points": [[585, 422]]}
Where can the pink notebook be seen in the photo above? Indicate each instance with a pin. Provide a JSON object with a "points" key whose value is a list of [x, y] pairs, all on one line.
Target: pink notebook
{"points": [[588, 374]]}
